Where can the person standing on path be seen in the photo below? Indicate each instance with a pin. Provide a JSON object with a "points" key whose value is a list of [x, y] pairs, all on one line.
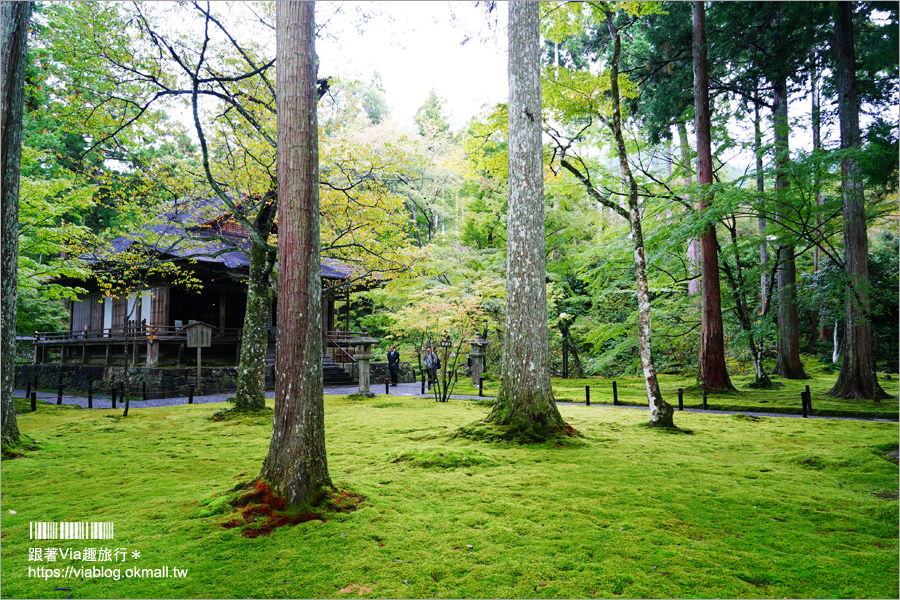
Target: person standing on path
{"points": [[430, 360], [393, 360]]}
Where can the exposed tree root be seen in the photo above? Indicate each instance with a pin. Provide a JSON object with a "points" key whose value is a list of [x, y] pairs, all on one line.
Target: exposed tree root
{"points": [[21, 448], [262, 510], [486, 431], [674, 429]]}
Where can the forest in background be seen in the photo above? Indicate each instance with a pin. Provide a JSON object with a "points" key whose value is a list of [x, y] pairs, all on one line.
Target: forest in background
{"points": [[424, 212]]}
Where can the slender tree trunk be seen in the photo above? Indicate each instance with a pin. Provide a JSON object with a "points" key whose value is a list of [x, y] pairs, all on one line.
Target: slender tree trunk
{"points": [[670, 159], [857, 378], [576, 369], [713, 372], [525, 400], [819, 329], [661, 413], [816, 114], [835, 345], [739, 292], [761, 198], [693, 251], [14, 18], [297, 466], [251, 381], [788, 363]]}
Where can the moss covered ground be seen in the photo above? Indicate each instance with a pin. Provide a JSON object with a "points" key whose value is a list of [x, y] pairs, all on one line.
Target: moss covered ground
{"points": [[739, 507]]}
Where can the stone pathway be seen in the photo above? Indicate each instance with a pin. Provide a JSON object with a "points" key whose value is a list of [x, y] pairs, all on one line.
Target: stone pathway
{"points": [[413, 390]]}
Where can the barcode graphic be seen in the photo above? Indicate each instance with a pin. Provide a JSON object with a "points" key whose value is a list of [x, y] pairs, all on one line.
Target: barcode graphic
{"points": [[71, 530]]}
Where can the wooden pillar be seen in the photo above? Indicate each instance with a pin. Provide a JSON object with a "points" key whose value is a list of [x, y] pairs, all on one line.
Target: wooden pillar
{"points": [[135, 347], [152, 346], [347, 311], [327, 316], [222, 297]]}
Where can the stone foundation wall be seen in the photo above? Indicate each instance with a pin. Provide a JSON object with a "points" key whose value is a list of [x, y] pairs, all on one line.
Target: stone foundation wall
{"points": [[379, 372], [161, 383], [167, 382]]}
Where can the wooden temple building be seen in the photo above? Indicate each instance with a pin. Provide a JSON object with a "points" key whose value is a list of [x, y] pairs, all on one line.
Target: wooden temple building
{"points": [[146, 327]]}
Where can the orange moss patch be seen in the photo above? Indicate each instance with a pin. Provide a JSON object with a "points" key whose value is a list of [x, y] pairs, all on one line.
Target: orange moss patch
{"points": [[264, 510], [343, 501], [569, 431], [262, 494], [361, 589]]}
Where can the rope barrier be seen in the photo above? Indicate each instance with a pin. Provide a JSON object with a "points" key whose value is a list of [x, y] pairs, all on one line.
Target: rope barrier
{"points": [[137, 390]]}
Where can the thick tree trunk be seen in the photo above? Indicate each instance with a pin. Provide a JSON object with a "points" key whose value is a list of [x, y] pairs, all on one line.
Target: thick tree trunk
{"points": [[297, 466], [693, 250], [713, 372], [787, 363], [251, 390], [14, 30], [525, 400], [661, 413], [857, 378]]}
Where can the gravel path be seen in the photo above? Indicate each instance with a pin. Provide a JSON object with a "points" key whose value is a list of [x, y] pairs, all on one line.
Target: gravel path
{"points": [[102, 401]]}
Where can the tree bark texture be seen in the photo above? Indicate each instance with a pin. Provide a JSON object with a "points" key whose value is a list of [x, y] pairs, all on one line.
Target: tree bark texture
{"points": [[525, 400], [857, 377], [14, 18], [787, 363], [251, 390], [661, 413], [296, 466], [713, 372]]}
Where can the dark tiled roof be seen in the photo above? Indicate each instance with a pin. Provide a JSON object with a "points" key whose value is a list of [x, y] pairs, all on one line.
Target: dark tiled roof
{"points": [[168, 238]]}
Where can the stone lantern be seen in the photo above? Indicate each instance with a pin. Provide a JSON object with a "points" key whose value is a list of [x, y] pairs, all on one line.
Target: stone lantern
{"points": [[477, 355], [363, 355]]}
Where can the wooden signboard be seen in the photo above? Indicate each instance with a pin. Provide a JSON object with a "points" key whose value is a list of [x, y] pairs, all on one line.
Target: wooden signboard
{"points": [[199, 335]]}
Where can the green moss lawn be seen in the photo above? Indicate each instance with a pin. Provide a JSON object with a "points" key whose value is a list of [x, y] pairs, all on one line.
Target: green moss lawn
{"points": [[775, 507]]}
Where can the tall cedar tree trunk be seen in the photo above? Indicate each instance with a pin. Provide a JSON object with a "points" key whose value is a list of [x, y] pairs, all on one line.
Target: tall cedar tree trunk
{"points": [[251, 381], [525, 400], [297, 466], [787, 363], [14, 29], [661, 413], [713, 372], [857, 378], [693, 252]]}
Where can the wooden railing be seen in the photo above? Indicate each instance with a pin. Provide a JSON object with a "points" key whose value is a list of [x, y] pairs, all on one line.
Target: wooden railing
{"points": [[130, 331], [338, 340]]}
